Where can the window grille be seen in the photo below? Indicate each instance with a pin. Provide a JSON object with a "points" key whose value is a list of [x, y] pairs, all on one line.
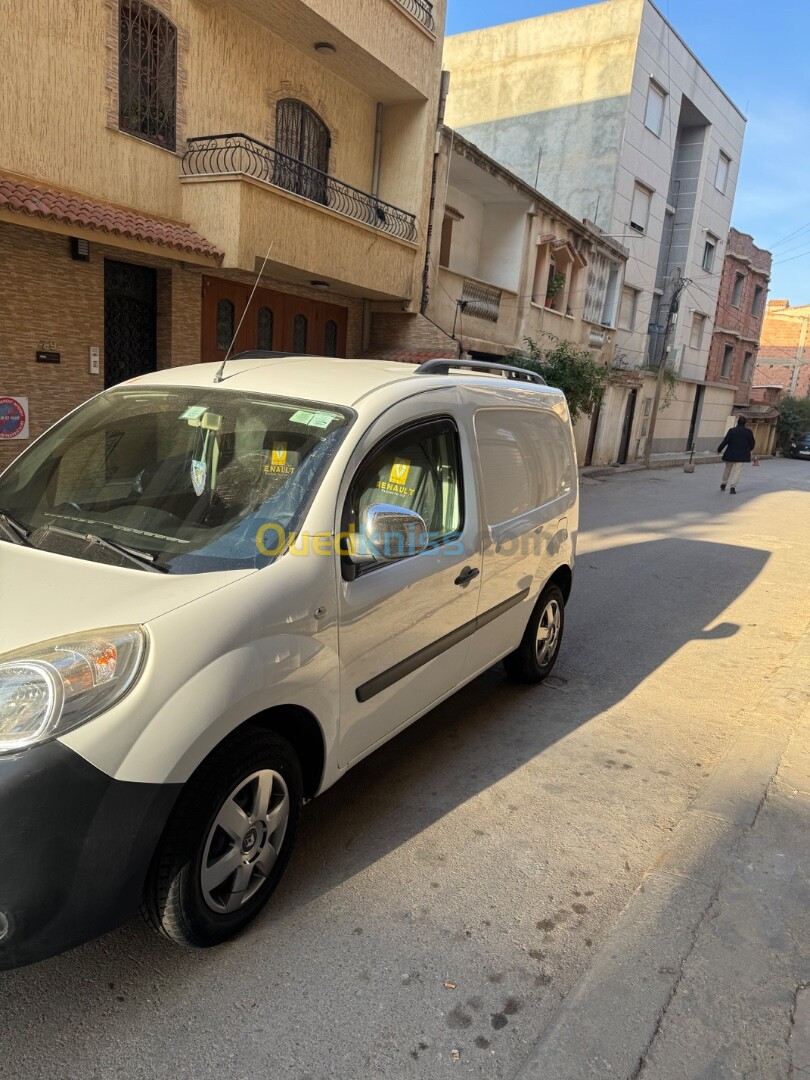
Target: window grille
{"points": [[480, 301], [147, 74]]}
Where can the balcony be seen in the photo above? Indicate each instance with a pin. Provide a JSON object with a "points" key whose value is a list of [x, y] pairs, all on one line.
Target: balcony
{"points": [[422, 11], [251, 197], [386, 48], [235, 154]]}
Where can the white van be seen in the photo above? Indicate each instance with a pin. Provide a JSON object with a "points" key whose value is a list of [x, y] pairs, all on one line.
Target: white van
{"points": [[221, 590]]}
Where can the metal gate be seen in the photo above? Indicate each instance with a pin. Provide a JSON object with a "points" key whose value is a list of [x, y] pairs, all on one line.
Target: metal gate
{"points": [[130, 321]]}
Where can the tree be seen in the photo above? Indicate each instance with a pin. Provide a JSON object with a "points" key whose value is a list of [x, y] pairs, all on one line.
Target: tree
{"points": [[569, 367], [794, 419]]}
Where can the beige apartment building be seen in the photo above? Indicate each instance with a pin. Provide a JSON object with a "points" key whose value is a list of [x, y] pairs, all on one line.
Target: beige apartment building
{"points": [[155, 156], [505, 264]]}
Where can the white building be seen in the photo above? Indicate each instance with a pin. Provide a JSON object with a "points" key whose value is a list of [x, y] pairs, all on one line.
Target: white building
{"points": [[608, 112]]}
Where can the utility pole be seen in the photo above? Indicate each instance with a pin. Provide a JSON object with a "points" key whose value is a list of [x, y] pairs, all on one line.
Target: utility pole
{"points": [[680, 285]]}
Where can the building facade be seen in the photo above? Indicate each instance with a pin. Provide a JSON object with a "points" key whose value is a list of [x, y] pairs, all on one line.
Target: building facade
{"points": [[784, 354], [159, 155], [610, 114], [505, 264], [738, 317]]}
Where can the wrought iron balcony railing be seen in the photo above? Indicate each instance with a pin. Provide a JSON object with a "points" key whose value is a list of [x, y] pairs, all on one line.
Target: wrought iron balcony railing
{"points": [[421, 10], [237, 154]]}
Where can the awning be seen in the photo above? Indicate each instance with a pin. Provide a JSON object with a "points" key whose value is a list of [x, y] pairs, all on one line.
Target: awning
{"points": [[76, 215]]}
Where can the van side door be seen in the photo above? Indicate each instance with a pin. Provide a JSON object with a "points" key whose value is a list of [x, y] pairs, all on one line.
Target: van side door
{"points": [[528, 481], [404, 624]]}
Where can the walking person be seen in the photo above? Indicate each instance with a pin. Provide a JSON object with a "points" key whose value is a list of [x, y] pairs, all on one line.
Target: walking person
{"points": [[738, 444]]}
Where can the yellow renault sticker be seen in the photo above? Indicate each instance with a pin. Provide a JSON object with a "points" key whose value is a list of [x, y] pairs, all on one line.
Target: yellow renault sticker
{"points": [[399, 471], [278, 461]]}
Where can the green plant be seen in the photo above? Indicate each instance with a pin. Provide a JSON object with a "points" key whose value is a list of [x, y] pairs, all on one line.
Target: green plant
{"points": [[794, 419], [569, 367], [555, 284]]}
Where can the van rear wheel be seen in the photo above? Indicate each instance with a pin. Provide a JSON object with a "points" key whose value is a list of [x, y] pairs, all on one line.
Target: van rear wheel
{"points": [[537, 653], [228, 841]]}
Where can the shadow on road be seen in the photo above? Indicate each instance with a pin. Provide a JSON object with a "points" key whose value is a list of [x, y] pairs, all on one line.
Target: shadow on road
{"points": [[484, 733]]}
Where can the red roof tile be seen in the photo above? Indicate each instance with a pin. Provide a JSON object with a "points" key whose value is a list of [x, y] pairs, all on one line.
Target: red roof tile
{"points": [[53, 205]]}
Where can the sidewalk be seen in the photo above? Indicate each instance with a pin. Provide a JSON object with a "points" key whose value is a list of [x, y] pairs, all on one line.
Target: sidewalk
{"points": [[706, 973]]}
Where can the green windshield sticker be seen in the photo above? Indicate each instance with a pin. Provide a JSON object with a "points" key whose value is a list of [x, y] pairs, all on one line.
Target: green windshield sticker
{"points": [[193, 412], [314, 419], [322, 419]]}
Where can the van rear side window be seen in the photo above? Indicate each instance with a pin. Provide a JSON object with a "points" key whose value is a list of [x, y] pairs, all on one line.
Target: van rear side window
{"points": [[526, 460]]}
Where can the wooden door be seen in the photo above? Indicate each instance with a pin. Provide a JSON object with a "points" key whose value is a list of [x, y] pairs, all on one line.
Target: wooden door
{"points": [[223, 305], [331, 324], [299, 333], [264, 322]]}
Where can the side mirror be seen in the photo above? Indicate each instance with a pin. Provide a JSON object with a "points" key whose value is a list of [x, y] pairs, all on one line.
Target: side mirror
{"points": [[394, 533]]}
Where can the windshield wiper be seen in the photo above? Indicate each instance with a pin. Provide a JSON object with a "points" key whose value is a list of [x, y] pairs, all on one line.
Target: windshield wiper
{"points": [[140, 558], [15, 529]]}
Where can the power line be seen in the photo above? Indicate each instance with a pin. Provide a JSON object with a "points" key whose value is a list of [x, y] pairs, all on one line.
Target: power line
{"points": [[790, 235]]}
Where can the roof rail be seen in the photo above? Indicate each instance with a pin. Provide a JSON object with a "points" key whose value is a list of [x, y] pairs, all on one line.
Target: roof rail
{"points": [[506, 371]]}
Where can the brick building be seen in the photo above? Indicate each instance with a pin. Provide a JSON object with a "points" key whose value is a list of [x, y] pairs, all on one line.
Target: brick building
{"points": [[133, 221], [738, 317], [784, 354]]}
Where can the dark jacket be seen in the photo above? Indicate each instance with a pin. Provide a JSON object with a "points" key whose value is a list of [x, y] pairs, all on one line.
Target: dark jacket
{"points": [[739, 442]]}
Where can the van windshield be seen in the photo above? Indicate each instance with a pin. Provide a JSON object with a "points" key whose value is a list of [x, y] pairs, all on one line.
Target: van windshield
{"points": [[183, 478]]}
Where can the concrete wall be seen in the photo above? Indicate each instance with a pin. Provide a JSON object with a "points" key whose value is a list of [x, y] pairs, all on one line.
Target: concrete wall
{"points": [[550, 92]]}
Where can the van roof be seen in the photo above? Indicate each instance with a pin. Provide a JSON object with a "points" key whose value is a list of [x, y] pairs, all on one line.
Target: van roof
{"points": [[320, 378]]}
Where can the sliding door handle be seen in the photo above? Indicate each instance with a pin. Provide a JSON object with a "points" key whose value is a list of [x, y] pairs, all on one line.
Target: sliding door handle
{"points": [[466, 575]]}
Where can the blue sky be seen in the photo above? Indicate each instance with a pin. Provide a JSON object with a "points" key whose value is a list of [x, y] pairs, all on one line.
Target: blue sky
{"points": [[758, 53]]}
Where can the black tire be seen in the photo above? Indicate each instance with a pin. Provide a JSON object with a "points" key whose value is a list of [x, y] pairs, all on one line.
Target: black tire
{"points": [[524, 665], [174, 901]]}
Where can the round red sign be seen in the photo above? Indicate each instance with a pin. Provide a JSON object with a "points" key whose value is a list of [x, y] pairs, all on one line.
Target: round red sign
{"points": [[12, 418]]}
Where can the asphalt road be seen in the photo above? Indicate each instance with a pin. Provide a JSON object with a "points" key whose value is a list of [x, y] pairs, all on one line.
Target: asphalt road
{"points": [[449, 891]]}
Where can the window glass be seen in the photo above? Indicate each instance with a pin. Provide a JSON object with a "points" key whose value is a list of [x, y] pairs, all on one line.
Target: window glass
{"points": [[225, 325], [654, 115], [419, 470], [747, 365], [728, 356], [640, 209], [627, 310], [525, 460], [188, 476], [264, 329], [330, 338], [698, 323], [721, 177], [756, 303], [147, 74], [737, 291], [300, 333], [708, 253]]}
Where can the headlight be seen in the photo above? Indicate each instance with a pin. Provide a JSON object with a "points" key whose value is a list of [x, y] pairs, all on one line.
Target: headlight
{"points": [[49, 688]]}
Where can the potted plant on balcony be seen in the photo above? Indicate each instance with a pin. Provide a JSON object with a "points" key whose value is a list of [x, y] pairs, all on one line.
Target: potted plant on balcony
{"points": [[555, 284]]}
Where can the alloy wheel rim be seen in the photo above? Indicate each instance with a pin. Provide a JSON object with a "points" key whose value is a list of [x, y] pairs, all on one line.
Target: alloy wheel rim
{"points": [[548, 632], [244, 841]]}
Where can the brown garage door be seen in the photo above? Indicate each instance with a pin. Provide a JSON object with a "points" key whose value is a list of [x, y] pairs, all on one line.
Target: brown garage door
{"points": [[275, 321]]}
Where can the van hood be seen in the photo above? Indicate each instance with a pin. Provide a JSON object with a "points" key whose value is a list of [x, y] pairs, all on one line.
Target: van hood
{"points": [[45, 595]]}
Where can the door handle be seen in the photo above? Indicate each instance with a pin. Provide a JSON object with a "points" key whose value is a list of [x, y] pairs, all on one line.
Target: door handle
{"points": [[466, 575]]}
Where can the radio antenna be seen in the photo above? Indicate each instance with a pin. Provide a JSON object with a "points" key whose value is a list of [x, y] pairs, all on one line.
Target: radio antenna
{"points": [[220, 375]]}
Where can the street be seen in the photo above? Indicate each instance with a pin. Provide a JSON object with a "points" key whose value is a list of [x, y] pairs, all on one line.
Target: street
{"points": [[448, 894]]}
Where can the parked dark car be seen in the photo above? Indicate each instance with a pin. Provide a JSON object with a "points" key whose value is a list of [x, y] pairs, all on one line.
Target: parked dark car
{"points": [[800, 446]]}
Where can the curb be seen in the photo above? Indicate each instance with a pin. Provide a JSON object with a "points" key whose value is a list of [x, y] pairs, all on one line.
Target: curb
{"points": [[610, 1018]]}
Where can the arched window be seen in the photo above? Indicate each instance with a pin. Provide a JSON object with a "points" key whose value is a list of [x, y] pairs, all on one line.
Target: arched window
{"points": [[304, 140], [300, 333], [147, 74], [225, 325], [330, 338], [264, 329]]}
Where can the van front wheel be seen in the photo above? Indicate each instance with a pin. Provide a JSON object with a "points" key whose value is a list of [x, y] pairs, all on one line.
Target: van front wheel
{"points": [[537, 653], [228, 841]]}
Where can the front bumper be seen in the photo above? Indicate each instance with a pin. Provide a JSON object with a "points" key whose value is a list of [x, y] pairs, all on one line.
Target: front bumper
{"points": [[75, 847]]}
